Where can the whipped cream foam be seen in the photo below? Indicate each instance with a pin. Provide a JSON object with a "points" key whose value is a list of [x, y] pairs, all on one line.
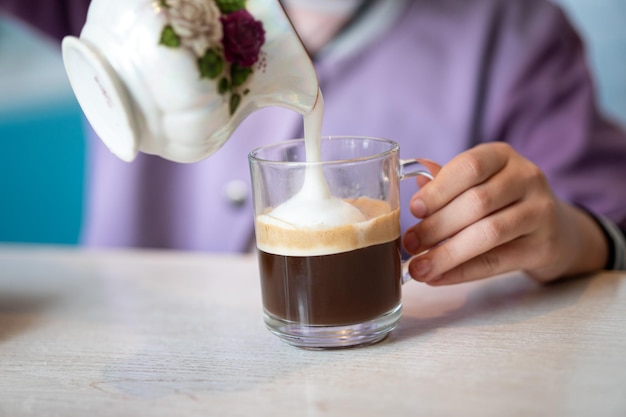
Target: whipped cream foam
{"points": [[306, 211]]}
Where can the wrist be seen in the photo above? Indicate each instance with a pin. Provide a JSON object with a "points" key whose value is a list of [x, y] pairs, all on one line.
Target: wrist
{"points": [[591, 248], [615, 238]]}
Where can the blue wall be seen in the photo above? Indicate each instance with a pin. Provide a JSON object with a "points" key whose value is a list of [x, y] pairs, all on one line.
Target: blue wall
{"points": [[602, 23], [41, 174], [41, 141]]}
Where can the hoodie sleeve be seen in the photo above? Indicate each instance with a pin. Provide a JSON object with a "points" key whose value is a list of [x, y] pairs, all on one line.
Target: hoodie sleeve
{"points": [[542, 101]]}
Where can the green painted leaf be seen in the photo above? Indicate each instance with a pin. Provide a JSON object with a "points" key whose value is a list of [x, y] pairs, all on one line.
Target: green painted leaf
{"points": [[229, 6], [211, 64], [169, 37], [235, 100], [239, 74], [223, 87]]}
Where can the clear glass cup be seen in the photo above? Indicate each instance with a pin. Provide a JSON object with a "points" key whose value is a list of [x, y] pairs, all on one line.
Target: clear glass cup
{"points": [[331, 276]]}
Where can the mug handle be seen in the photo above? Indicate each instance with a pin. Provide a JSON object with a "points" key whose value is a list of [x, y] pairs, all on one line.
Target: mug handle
{"points": [[432, 169]]}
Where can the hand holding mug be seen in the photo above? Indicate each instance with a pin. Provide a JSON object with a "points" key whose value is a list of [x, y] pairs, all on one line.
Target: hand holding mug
{"points": [[490, 211]]}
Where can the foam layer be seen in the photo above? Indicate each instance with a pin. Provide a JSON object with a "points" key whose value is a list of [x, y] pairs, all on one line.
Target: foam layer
{"points": [[378, 223], [301, 211]]}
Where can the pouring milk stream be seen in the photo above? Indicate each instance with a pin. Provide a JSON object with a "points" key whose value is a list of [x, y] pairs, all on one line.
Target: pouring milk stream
{"points": [[314, 206]]}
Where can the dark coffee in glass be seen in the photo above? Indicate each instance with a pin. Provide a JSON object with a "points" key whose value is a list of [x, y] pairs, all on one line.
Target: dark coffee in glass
{"points": [[328, 239], [318, 284]]}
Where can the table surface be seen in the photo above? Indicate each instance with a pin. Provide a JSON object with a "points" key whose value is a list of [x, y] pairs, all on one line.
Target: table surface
{"points": [[162, 333]]}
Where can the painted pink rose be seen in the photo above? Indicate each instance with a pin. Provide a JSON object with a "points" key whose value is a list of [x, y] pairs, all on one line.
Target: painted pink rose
{"points": [[243, 37]]}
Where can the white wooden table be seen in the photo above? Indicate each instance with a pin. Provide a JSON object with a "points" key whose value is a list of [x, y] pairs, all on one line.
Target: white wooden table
{"points": [[149, 333]]}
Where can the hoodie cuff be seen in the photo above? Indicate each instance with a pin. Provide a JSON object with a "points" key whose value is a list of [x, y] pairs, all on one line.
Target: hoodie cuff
{"points": [[616, 239]]}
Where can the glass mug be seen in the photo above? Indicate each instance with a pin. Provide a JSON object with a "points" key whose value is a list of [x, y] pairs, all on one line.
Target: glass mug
{"points": [[329, 282]]}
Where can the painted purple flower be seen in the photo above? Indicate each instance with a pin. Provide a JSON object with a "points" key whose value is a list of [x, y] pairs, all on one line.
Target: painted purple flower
{"points": [[243, 37]]}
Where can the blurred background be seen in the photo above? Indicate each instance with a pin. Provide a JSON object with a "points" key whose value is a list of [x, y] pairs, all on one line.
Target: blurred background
{"points": [[41, 141], [41, 127]]}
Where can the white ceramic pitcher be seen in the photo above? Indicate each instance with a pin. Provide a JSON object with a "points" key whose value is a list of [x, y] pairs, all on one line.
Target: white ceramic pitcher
{"points": [[175, 78]]}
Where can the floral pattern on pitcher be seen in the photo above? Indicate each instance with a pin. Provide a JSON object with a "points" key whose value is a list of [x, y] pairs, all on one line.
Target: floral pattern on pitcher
{"points": [[223, 35]]}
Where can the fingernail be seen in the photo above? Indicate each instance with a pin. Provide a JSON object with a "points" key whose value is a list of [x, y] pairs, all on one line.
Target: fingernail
{"points": [[420, 268], [418, 208], [411, 243]]}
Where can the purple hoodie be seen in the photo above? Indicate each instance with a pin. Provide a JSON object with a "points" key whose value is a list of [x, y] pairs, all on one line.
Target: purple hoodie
{"points": [[447, 75]]}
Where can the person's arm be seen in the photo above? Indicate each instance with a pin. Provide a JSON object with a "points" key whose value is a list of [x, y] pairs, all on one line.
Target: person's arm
{"points": [[543, 103], [55, 18], [514, 202]]}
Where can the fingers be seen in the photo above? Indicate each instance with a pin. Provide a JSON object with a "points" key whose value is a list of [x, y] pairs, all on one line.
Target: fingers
{"points": [[469, 207], [499, 260], [465, 171], [479, 250]]}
